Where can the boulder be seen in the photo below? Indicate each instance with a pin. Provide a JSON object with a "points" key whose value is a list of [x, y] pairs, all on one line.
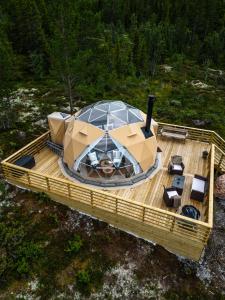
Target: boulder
{"points": [[176, 103], [201, 122], [22, 135], [220, 187]]}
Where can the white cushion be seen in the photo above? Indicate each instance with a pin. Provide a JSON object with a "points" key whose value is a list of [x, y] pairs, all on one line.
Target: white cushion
{"points": [[177, 167], [117, 161], [172, 193], [198, 185]]}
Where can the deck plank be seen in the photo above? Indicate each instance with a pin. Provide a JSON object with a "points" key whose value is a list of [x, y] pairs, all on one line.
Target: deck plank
{"points": [[151, 191]]}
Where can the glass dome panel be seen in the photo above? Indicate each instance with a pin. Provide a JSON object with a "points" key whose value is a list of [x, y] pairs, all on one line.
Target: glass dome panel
{"points": [[117, 105], [121, 114], [136, 113], [100, 121], [104, 106], [109, 115], [84, 116], [106, 144], [95, 114]]}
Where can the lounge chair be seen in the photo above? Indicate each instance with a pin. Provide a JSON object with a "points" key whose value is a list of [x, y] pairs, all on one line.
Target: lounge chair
{"points": [[171, 197], [93, 159], [176, 165], [199, 187], [116, 157]]}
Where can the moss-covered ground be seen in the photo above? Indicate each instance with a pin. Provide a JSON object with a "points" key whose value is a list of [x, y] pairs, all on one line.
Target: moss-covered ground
{"points": [[48, 251]]}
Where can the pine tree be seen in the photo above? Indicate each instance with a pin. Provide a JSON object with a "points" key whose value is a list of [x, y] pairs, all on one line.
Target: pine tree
{"points": [[7, 57]]}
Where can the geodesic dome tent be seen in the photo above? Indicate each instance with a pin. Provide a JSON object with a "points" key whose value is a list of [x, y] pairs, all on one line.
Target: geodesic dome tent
{"points": [[104, 144]]}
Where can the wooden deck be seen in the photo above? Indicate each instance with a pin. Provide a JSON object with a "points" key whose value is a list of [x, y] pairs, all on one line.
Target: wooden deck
{"points": [[139, 210], [150, 192]]}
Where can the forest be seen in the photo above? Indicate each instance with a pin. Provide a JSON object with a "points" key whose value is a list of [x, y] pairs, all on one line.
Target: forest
{"points": [[94, 42], [62, 55], [95, 49]]}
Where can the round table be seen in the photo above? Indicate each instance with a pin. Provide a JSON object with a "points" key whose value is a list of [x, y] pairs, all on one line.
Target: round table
{"points": [[107, 167]]}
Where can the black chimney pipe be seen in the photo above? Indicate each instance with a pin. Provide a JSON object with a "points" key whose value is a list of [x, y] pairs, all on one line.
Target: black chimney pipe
{"points": [[151, 100]]}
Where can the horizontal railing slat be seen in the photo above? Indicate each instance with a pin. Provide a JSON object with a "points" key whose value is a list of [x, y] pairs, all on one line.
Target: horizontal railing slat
{"points": [[150, 216]]}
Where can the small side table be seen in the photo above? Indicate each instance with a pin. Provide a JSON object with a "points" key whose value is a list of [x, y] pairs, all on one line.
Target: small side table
{"points": [[107, 167], [178, 183]]}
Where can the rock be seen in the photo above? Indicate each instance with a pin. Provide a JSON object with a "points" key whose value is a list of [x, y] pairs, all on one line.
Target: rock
{"points": [[24, 115], [66, 108], [199, 84], [220, 72], [22, 135], [166, 68], [76, 108], [33, 90], [41, 123], [220, 187], [176, 103], [201, 122]]}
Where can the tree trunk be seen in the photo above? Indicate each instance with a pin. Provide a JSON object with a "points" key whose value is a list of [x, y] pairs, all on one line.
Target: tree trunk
{"points": [[69, 87]]}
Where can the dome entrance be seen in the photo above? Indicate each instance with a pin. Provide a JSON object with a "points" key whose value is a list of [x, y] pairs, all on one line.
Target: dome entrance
{"points": [[106, 161]]}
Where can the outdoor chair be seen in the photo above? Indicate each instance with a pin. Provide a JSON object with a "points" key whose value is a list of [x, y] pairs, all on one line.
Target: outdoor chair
{"points": [[199, 187], [176, 165], [171, 197], [116, 157], [93, 159]]}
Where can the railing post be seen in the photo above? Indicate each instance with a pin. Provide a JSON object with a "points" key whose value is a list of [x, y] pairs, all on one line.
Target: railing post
{"points": [[211, 137], [5, 170], [143, 214], [116, 205], [69, 190], [28, 178], [219, 164], [48, 185], [173, 224], [92, 200]]}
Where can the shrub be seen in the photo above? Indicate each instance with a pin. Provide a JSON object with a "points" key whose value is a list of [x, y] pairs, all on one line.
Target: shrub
{"points": [[83, 281], [29, 250], [42, 197], [74, 245], [54, 219], [27, 253], [22, 266]]}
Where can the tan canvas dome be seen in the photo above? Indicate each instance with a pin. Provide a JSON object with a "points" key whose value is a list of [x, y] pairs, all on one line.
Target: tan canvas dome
{"points": [[105, 143], [78, 137]]}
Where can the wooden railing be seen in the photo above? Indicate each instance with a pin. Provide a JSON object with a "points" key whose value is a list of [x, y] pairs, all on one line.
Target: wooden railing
{"points": [[208, 136], [150, 216], [184, 227], [33, 147]]}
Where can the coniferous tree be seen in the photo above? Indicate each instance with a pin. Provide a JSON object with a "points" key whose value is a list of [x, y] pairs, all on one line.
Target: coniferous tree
{"points": [[7, 58]]}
